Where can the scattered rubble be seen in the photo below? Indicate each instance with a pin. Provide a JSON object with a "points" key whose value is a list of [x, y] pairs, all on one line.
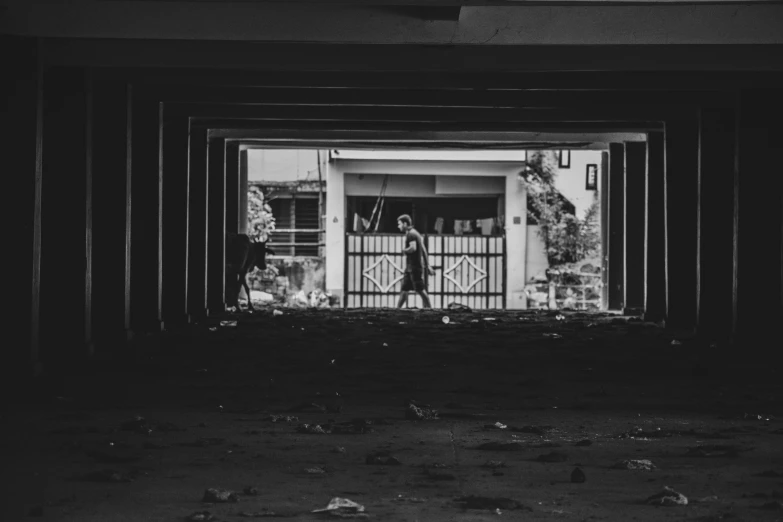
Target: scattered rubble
{"points": [[633, 464], [312, 429], [668, 497], [341, 507], [219, 496], [414, 412]]}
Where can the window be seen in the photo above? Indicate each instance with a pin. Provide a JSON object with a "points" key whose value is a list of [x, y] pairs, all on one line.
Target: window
{"points": [[564, 159], [296, 225]]}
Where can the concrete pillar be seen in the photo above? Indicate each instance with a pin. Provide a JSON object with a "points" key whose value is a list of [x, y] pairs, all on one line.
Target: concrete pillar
{"points": [[682, 155], [232, 187], [22, 144], [66, 274], [243, 192], [616, 224], [655, 230], [197, 223], [216, 225], [760, 199], [146, 219], [335, 232], [604, 195], [112, 211], [633, 228], [516, 242], [717, 186], [175, 216]]}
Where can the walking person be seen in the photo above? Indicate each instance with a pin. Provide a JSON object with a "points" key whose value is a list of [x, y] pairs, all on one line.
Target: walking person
{"points": [[416, 261]]}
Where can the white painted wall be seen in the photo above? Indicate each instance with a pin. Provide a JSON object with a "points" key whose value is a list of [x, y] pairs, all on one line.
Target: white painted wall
{"points": [[335, 232], [536, 261], [516, 242], [571, 182], [398, 185], [284, 164]]}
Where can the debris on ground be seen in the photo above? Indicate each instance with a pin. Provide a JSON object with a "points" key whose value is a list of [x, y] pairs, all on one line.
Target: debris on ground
{"points": [[284, 418], [496, 426], [536, 430], [315, 471], [458, 307], [501, 446], [201, 516], [668, 497], [446, 319], [342, 507], [338, 449], [312, 429], [277, 312], [219, 495], [228, 324], [414, 412], [578, 476], [643, 464], [382, 459], [491, 503]]}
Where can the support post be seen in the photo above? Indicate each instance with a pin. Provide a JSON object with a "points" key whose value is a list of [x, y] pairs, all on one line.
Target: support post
{"points": [[216, 225], [197, 224], [616, 223], [655, 290], [682, 154], [633, 228]]}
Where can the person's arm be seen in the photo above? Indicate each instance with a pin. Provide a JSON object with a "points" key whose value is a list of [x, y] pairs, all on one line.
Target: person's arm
{"points": [[425, 257], [411, 248]]}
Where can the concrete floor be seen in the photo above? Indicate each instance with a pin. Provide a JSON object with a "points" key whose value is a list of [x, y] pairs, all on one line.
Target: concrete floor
{"points": [[711, 424]]}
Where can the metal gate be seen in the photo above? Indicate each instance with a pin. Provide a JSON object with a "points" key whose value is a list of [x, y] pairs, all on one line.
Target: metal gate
{"points": [[469, 270]]}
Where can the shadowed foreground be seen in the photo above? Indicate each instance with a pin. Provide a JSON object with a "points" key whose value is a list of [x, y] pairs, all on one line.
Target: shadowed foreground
{"points": [[290, 411]]}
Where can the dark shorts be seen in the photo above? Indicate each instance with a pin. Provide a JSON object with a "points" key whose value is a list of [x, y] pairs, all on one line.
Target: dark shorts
{"points": [[413, 281]]}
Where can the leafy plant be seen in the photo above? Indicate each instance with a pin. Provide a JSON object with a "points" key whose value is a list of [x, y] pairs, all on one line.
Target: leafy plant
{"points": [[567, 238], [260, 221]]}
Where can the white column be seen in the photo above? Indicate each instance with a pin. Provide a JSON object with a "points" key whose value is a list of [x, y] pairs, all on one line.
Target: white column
{"points": [[335, 231], [516, 242]]}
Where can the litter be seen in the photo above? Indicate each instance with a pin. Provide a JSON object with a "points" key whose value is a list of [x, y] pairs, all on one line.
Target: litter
{"points": [[668, 497], [341, 505], [228, 324], [219, 495], [644, 465], [277, 312], [446, 319]]}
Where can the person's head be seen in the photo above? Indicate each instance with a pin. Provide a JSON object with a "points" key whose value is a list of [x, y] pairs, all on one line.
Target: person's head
{"points": [[404, 222]]}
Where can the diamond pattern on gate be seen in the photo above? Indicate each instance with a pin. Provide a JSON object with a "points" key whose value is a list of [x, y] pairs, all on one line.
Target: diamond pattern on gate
{"points": [[465, 259], [392, 264]]}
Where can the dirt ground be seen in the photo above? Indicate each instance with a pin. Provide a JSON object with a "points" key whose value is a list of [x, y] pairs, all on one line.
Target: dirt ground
{"points": [[292, 410]]}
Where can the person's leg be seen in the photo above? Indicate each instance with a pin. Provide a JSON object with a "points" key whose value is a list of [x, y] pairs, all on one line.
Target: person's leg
{"points": [[425, 299], [403, 300]]}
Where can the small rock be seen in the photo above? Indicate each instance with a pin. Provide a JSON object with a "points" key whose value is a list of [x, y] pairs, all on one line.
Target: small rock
{"points": [[219, 495], [578, 476], [644, 465], [416, 413], [668, 497]]}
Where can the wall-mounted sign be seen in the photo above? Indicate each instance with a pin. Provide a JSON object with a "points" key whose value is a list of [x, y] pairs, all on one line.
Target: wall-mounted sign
{"points": [[591, 177]]}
